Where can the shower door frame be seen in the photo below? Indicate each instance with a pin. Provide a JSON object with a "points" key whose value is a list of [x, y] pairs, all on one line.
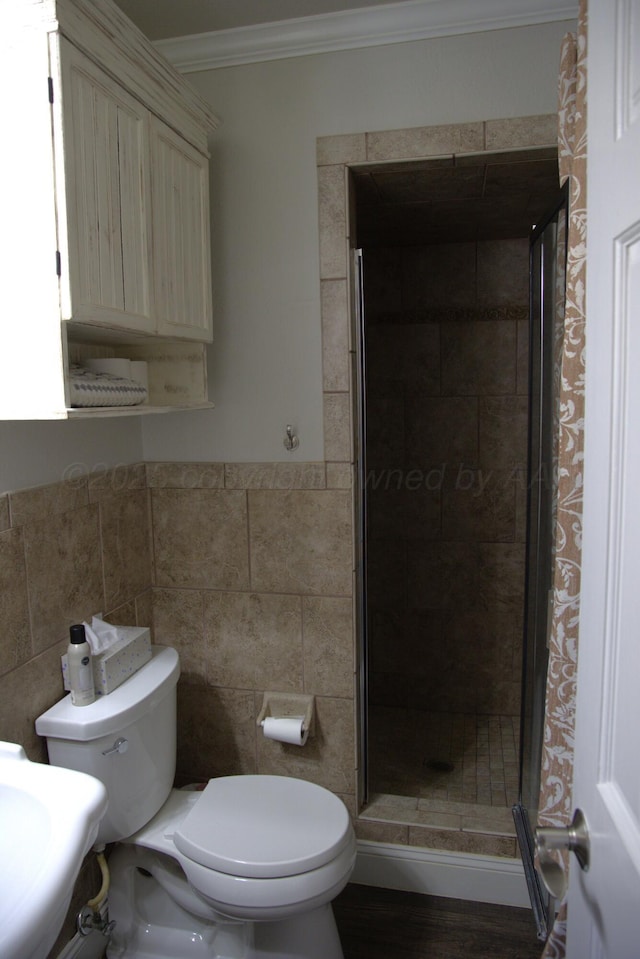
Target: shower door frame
{"points": [[546, 321]]}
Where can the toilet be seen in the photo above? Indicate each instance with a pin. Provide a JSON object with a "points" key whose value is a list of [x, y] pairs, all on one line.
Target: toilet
{"points": [[244, 868]]}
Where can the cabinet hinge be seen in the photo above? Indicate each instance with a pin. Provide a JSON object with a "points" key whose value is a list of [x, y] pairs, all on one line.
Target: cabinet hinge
{"points": [[58, 264], [50, 84]]}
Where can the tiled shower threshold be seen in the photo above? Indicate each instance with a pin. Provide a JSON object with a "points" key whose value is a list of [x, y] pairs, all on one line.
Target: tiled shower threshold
{"points": [[448, 781]]}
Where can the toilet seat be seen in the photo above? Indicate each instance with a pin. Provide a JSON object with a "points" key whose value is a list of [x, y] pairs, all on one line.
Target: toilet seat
{"points": [[242, 898], [264, 827]]}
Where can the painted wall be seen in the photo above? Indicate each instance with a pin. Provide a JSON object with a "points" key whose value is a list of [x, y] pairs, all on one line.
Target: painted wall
{"points": [[265, 364]]}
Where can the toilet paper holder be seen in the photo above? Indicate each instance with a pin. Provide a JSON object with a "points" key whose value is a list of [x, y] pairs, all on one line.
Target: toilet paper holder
{"points": [[287, 705]]}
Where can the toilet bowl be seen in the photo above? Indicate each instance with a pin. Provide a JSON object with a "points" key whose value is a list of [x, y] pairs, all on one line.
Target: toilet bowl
{"points": [[243, 869]]}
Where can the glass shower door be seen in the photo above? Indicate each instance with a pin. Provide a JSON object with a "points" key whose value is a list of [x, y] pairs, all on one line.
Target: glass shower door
{"points": [[547, 285]]}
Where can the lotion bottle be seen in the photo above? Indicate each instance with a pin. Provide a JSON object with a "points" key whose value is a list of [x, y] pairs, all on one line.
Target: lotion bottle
{"points": [[80, 667]]}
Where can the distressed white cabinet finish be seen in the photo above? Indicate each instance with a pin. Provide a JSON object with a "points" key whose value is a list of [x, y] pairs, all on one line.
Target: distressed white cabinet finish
{"points": [[105, 264], [180, 203], [105, 248]]}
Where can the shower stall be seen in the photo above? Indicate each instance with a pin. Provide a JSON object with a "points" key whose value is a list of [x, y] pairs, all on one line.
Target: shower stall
{"points": [[454, 371]]}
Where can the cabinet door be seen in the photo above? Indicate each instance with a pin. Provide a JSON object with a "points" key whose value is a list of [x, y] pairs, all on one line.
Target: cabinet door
{"points": [[106, 178], [181, 244]]}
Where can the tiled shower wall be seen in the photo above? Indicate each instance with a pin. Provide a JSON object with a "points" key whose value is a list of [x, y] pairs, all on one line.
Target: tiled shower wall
{"points": [[447, 354]]}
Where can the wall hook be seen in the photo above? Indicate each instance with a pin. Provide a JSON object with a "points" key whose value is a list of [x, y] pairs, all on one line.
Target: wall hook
{"points": [[291, 441]]}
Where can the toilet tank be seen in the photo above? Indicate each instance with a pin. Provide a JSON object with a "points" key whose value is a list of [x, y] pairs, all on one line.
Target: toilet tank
{"points": [[138, 771]]}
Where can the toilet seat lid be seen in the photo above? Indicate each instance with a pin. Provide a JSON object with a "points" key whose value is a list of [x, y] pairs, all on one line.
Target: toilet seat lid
{"points": [[264, 827]]}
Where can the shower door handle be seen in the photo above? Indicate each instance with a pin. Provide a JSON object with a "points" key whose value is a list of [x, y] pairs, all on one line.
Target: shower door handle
{"points": [[575, 838]]}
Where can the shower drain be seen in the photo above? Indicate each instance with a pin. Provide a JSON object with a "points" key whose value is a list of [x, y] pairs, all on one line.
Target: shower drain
{"points": [[439, 765]]}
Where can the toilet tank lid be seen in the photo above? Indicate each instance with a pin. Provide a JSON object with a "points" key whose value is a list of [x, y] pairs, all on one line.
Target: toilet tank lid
{"points": [[131, 700]]}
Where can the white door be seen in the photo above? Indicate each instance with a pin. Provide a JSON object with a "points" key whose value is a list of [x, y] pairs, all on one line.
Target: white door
{"points": [[604, 903]]}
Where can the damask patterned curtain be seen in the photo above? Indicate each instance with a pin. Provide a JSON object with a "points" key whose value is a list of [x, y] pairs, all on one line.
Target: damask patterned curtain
{"points": [[555, 808]]}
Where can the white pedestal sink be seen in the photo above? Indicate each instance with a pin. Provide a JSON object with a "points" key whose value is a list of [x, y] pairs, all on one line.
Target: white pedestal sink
{"points": [[49, 820]]}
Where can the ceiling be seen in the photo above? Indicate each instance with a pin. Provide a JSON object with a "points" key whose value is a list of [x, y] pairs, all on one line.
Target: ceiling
{"points": [[161, 19], [488, 197]]}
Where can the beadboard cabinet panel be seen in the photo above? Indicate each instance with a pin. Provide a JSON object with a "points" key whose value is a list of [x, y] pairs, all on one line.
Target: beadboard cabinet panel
{"points": [[181, 243], [106, 166]]}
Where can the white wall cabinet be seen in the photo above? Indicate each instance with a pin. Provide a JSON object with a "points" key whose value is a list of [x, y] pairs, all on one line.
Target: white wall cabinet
{"points": [[181, 241], [101, 144], [106, 243]]}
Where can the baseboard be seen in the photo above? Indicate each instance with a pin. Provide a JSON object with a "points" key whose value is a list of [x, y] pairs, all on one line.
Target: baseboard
{"points": [[439, 873]]}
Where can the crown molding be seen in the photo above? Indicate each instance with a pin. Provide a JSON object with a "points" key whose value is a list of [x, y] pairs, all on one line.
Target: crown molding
{"points": [[353, 29]]}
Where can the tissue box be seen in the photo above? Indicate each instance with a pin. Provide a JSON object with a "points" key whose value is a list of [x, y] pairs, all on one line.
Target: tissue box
{"points": [[121, 660]]}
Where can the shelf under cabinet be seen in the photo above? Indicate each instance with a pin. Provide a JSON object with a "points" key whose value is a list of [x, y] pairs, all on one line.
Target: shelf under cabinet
{"points": [[177, 370]]}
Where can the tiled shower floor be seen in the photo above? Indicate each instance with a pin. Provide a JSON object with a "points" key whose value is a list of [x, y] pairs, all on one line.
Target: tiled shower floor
{"points": [[445, 757]]}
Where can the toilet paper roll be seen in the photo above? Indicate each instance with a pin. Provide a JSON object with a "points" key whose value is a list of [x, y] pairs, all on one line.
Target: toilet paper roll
{"points": [[114, 365], [285, 730]]}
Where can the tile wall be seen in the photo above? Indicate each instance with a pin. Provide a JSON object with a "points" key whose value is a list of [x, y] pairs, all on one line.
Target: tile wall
{"points": [[447, 354]]}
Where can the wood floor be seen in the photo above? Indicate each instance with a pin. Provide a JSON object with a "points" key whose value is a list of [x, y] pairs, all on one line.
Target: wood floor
{"points": [[386, 924]]}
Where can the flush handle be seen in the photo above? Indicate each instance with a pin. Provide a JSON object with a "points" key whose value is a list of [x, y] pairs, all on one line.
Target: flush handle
{"points": [[120, 746], [575, 838]]}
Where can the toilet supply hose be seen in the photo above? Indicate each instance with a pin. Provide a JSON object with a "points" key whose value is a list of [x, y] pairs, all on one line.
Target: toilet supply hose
{"points": [[95, 903], [89, 919]]}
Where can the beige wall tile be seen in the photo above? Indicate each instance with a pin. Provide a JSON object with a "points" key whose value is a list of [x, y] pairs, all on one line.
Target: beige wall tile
{"points": [[382, 831], [425, 141], [274, 476], [200, 538], [125, 536], [459, 841], [216, 733], [483, 509], [27, 692], [503, 432], [332, 222], [64, 573], [185, 475], [443, 275], [15, 632], [329, 659], [144, 613], [344, 148], [503, 273], [522, 368], [38, 503], [4, 512], [337, 427], [339, 476], [116, 482], [301, 541], [123, 615], [254, 640], [516, 132], [335, 335], [478, 358], [441, 433], [178, 621], [326, 759]]}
